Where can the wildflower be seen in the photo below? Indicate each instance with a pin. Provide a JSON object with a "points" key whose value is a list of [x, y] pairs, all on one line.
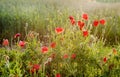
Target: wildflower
{"points": [[73, 56], [95, 23], [44, 49], [102, 21], [5, 42], [104, 59], [85, 33], [81, 24], [71, 17], [17, 35], [35, 68], [85, 16], [114, 51], [65, 56], [58, 75], [72, 20], [53, 45], [22, 44], [59, 30]]}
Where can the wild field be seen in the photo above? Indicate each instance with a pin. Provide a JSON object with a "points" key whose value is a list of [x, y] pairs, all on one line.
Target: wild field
{"points": [[59, 38]]}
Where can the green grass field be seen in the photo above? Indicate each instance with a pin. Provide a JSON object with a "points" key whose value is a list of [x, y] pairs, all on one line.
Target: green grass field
{"points": [[43, 38]]}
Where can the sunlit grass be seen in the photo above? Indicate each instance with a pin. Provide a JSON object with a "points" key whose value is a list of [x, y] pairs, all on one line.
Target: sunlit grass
{"points": [[73, 53]]}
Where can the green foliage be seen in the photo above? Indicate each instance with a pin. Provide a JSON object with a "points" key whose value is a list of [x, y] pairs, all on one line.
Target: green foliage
{"points": [[38, 14], [90, 52], [88, 62]]}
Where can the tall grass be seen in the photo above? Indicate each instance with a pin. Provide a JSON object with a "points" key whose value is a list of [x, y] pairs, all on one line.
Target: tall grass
{"points": [[37, 20], [14, 14], [89, 52], [40, 14]]}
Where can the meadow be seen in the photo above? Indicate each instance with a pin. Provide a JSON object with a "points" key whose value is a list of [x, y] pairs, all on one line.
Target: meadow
{"points": [[50, 38]]}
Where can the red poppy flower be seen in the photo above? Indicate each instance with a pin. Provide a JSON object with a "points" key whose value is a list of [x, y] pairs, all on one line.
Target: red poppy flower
{"points": [[71, 17], [102, 21], [35, 68], [17, 35], [5, 42], [73, 56], [95, 23], [58, 75], [85, 33], [65, 56], [22, 44], [104, 59], [85, 16], [72, 22], [114, 51], [59, 30], [81, 24], [44, 49], [53, 45]]}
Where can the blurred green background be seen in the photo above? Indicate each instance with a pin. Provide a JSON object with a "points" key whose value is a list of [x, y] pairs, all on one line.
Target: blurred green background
{"points": [[108, 0]]}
